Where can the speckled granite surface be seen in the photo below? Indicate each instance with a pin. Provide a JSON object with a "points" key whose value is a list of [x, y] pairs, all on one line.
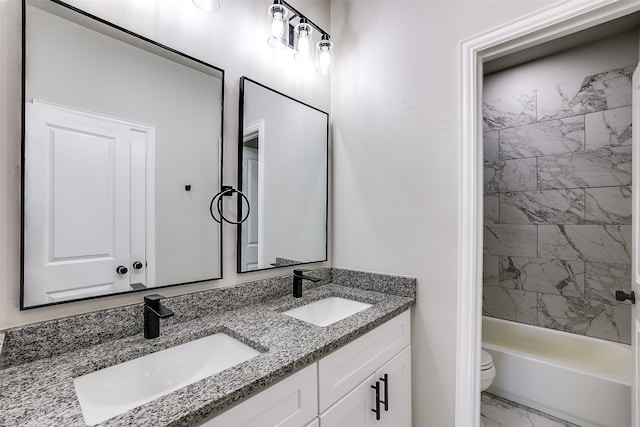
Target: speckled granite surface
{"points": [[40, 392]]}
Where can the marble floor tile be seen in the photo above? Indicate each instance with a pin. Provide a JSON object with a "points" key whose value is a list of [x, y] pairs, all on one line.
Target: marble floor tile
{"points": [[550, 276], [543, 138], [543, 207], [509, 111], [602, 91], [509, 304], [490, 146], [608, 128], [598, 168], [492, 209], [499, 412], [595, 243], [514, 240], [608, 205], [490, 270], [603, 280]]}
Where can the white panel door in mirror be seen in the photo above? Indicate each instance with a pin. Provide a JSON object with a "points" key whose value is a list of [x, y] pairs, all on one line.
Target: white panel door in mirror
{"points": [[83, 171]]}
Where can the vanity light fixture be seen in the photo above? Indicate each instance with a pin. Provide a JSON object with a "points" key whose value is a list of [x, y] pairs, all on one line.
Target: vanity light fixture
{"points": [[299, 37], [207, 5]]}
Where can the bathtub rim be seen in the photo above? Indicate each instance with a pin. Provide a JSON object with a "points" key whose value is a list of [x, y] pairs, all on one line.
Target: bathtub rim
{"points": [[626, 380]]}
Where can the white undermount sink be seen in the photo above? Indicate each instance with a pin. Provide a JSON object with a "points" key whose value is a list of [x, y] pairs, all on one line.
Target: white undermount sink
{"points": [[327, 311], [112, 391]]}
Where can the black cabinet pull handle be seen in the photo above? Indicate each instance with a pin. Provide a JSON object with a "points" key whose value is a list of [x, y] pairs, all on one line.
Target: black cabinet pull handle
{"points": [[385, 380], [377, 408]]}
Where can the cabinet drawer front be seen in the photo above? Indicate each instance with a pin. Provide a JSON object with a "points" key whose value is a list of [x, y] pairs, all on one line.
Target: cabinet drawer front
{"points": [[348, 366], [292, 402]]}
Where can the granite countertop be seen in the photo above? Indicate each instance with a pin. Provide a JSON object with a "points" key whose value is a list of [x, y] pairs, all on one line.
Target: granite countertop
{"points": [[41, 392]]}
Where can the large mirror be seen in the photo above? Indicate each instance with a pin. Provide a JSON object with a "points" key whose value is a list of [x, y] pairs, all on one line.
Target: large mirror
{"points": [[282, 170], [122, 154]]}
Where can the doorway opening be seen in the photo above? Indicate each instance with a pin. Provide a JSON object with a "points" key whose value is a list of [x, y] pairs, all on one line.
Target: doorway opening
{"points": [[504, 47]]}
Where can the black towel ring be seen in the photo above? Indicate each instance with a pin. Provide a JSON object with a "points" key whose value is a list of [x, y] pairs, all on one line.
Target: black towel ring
{"points": [[227, 191]]}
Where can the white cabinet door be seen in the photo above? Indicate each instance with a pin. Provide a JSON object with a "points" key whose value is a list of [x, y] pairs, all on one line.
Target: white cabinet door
{"points": [[398, 391], [353, 410], [292, 402], [348, 366]]}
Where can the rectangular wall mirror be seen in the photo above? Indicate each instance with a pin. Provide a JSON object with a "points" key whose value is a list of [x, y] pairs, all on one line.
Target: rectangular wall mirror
{"points": [[122, 142], [282, 170]]}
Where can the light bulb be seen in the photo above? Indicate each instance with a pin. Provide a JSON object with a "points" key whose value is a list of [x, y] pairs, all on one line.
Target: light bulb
{"points": [[324, 55], [277, 26], [325, 59], [279, 34], [303, 46]]}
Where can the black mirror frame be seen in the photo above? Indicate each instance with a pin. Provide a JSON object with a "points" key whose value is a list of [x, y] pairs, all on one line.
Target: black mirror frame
{"points": [[157, 45], [240, 206]]}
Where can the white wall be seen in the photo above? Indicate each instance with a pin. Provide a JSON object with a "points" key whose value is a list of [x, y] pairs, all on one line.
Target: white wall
{"points": [[395, 106], [233, 39]]}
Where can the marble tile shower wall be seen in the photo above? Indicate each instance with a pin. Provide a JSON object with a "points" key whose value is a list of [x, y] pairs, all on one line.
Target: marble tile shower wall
{"points": [[557, 197]]}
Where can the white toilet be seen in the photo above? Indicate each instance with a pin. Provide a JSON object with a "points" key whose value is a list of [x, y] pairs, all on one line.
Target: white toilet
{"points": [[487, 374], [487, 371]]}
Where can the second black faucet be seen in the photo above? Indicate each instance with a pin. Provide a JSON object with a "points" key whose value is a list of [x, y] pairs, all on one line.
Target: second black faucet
{"points": [[298, 277]]}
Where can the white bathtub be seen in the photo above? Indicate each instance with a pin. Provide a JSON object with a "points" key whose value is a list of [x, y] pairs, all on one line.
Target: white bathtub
{"points": [[580, 379]]}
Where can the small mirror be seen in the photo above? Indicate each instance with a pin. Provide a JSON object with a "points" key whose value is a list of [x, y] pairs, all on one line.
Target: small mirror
{"points": [[282, 170], [121, 156]]}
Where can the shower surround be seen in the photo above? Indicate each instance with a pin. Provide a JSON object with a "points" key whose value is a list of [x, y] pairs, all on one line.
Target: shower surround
{"points": [[557, 205]]}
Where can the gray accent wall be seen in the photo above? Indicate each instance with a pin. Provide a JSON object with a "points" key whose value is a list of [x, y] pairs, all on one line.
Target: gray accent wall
{"points": [[557, 205]]}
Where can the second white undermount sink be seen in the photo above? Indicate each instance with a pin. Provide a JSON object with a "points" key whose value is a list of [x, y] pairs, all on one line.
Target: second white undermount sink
{"points": [[327, 311], [117, 389]]}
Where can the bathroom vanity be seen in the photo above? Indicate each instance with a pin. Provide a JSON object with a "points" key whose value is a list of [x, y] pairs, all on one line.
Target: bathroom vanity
{"points": [[302, 372]]}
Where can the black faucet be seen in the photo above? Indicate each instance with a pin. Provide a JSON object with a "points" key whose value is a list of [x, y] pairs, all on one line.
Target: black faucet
{"points": [[298, 277], [153, 312]]}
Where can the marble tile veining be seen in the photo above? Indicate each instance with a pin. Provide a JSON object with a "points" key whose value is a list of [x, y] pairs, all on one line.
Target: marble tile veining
{"points": [[490, 270], [603, 280], [595, 243], [608, 205], [542, 207], [597, 168], [490, 146], [543, 138], [510, 175], [549, 276], [499, 412], [511, 111], [491, 209], [594, 318], [608, 128], [505, 239], [41, 392], [602, 91], [510, 304]]}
